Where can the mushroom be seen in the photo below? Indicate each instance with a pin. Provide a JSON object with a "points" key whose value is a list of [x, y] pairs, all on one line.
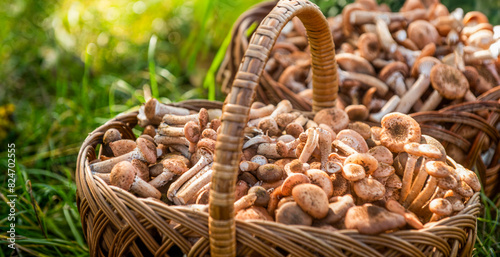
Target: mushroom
{"points": [[423, 66], [397, 130], [253, 213], [353, 172], [382, 154], [448, 82], [353, 139], [369, 189], [440, 208], [124, 176], [311, 199], [188, 190], [171, 167], [370, 219], [155, 110], [325, 145], [201, 118], [122, 146], [357, 112], [353, 63], [261, 112], [390, 106], [311, 144], [335, 118], [268, 124], [292, 214], [422, 32], [145, 151], [111, 135], [368, 46], [206, 159], [262, 195], [393, 75], [410, 217], [321, 179], [384, 34], [269, 173], [245, 202]]}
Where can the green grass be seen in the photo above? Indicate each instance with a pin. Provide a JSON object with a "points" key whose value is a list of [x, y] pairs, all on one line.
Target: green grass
{"points": [[68, 67]]}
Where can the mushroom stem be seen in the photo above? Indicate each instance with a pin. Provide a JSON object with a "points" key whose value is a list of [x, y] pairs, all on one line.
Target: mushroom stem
{"points": [[408, 176], [325, 146], [311, 144], [388, 107], [206, 158], [414, 93], [261, 112], [245, 202], [371, 81], [193, 185], [201, 118], [145, 145], [166, 140], [432, 102], [384, 34], [155, 110], [397, 83]]}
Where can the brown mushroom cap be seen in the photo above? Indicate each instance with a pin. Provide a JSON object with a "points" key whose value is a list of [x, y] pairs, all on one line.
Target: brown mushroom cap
{"points": [[449, 81], [176, 166], [382, 154], [371, 219], [293, 180], [353, 139], [312, 199], [369, 189], [123, 175], [422, 32], [142, 169], [192, 131], [148, 149], [353, 172], [290, 213], [340, 184], [262, 195], [253, 213], [367, 161], [423, 65], [475, 17], [357, 112], [347, 27], [362, 128], [150, 108], [397, 130], [122, 146], [368, 46], [354, 63], [392, 67], [426, 139], [111, 135], [438, 169], [441, 207], [469, 177], [269, 172], [335, 118], [384, 170]]}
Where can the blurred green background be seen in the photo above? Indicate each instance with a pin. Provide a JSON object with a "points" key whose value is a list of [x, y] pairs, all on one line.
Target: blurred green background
{"points": [[68, 66]]}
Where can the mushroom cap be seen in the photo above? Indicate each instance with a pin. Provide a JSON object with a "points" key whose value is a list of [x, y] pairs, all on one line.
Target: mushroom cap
{"points": [[111, 135], [423, 66], [384, 170], [268, 125], [357, 112], [475, 17], [438, 169], [370, 219], [422, 32], [321, 179], [368, 46], [203, 117], [431, 151], [382, 154], [176, 166], [150, 108], [464, 189], [150, 131], [262, 195], [293, 180], [340, 184], [469, 177], [441, 207], [142, 169], [367, 161], [192, 131], [353, 172], [253, 213], [294, 129], [426, 139], [428, 50], [449, 81], [207, 144], [456, 202], [369, 189], [448, 182], [397, 130], [148, 149], [353, 63], [394, 181], [353, 139], [362, 128], [122, 146], [335, 118], [123, 175], [392, 67], [290, 213], [347, 27], [312, 199], [269, 173]]}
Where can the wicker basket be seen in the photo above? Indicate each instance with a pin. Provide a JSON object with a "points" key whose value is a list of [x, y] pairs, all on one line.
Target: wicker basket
{"points": [[116, 223], [439, 124]]}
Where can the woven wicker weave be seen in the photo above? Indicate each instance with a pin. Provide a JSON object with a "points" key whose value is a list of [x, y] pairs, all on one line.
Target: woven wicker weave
{"points": [[116, 223]]}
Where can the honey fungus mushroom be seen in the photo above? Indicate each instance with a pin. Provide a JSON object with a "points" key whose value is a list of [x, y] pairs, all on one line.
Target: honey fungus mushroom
{"points": [[397, 130]]}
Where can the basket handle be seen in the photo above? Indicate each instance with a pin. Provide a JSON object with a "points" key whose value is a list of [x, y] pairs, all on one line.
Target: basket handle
{"points": [[237, 107]]}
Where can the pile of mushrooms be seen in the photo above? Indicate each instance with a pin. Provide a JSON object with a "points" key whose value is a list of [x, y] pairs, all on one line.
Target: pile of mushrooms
{"points": [[418, 59], [323, 171]]}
